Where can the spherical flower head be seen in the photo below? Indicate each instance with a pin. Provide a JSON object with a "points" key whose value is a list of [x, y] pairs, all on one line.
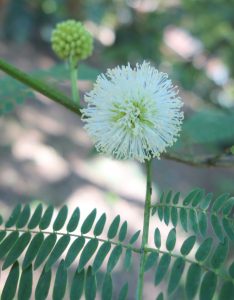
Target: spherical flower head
{"points": [[133, 113], [70, 40]]}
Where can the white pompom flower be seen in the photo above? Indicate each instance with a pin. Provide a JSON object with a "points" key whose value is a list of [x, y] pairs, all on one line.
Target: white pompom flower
{"points": [[133, 113]]}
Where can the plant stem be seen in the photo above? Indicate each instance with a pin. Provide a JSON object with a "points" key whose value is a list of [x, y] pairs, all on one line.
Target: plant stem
{"points": [[73, 74], [145, 234]]}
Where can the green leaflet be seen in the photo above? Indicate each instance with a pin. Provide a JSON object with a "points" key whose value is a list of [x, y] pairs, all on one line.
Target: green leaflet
{"points": [[23, 217], [33, 249], [189, 198], [134, 237], [202, 223], [2, 235], [176, 273], [204, 204], [107, 287], [57, 251], [229, 229], [227, 291], [45, 249], [98, 229], [176, 198], [46, 219], [90, 285], [127, 259], [101, 255], [60, 219], [114, 258], [151, 260], [228, 206], [77, 285], [220, 254], [113, 228], [14, 216], [160, 297], [171, 240], [74, 250], [162, 268], [198, 197], [166, 212], [219, 202], [10, 286], [174, 216], [184, 219], [231, 270], [187, 245], [168, 197], [74, 220], [193, 280], [157, 238], [60, 282], [193, 220], [123, 292], [204, 250], [43, 285], [17, 250], [217, 227], [160, 213], [88, 222], [208, 286], [25, 284], [36, 217], [87, 253], [8, 243], [123, 231]]}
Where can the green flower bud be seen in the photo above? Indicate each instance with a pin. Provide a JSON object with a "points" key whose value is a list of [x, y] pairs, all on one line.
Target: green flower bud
{"points": [[70, 40]]}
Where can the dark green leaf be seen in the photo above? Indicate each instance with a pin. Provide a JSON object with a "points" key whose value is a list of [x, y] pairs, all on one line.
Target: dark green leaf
{"points": [[101, 255], [227, 291], [23, 217], [87, 253], [43, 285], [166, 213], [13, 217], [202, 223], [206, 201], [157, 238], [176, 273], [2, 235], [228, 206], [60, 282], [160, 297], [184, 219], [187, 245], [128, 259], [74, 250], [8, 243], [33, 249], [160, 213], [217, 227], [171, 240], [17, 250], [123, 231], [11, 283], [113, 228], [198, 197], [90, 285], [151, 260], [123, 292], [229, 229], [161, 198], [36, 217], [60, 219], [45, 249], [57, 251], [74, 220], [204, 250], [77, 285], [1, 220], [193, 280], [88, 222], [162, 268], [189, 198], [220, 254], [46, 219], [176, 198], [154, 210], [25, 284], [98, 229], [107, 288], [114, 258], [193, 220], [208, 286], [174, 216], [231, 270], [134, 238], [219, 202], [168, 197]]}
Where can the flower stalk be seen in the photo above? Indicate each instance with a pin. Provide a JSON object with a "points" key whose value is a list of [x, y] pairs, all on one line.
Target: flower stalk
{"points": [[74, 86], [145, 234]]}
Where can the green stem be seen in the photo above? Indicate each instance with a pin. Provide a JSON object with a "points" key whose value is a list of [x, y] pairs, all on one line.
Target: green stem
{"points": [[74, 86], [145, 234]]}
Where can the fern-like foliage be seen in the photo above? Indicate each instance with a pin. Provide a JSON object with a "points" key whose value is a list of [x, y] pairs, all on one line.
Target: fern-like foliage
{"points": [[39, 240]]}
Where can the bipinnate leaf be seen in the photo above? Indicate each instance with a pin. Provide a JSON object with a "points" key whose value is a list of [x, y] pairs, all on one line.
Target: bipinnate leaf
{"points": [[60, 282], [88, 222], [74, 220], [10, 287], [60, 219]]}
